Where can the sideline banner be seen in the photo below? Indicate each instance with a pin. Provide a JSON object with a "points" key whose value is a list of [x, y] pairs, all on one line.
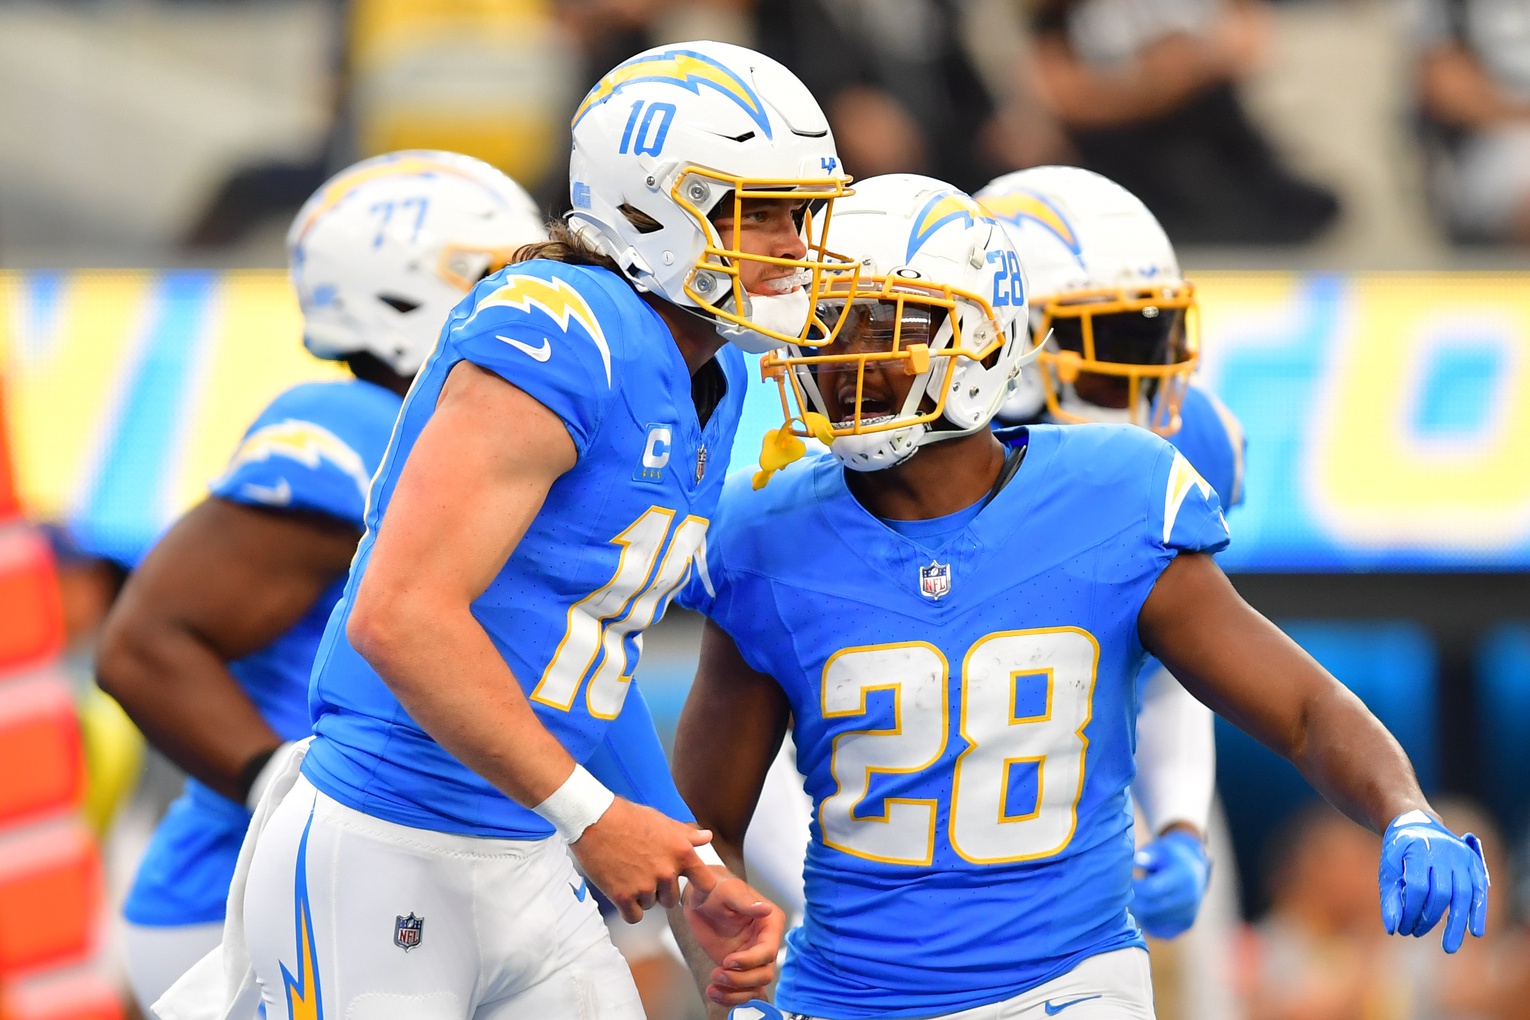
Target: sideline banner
{"points": [[127, 391], [1388, 418], [1388, 414]]}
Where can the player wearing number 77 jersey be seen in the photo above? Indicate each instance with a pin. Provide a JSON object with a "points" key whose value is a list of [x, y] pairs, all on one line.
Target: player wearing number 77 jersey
{"points": [[954, 633]]}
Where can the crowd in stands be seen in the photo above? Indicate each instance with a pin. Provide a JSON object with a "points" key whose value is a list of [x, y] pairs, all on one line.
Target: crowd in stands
{"points": [[1147, 92]]}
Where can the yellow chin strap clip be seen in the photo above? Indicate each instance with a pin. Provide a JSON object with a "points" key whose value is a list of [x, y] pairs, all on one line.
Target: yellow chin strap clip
{"points": [[781, 448]]}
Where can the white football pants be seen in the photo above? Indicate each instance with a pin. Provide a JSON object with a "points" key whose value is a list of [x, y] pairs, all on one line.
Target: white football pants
{"points": [[1111, 986], [353, 918], [156, 956]]}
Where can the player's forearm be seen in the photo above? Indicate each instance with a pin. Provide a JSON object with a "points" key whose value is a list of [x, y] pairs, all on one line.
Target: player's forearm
{"points": [[1349, 757], [696, 960], [1247, 670], [179, 692], [1455, 90], [1310, 719], [445, 671]]}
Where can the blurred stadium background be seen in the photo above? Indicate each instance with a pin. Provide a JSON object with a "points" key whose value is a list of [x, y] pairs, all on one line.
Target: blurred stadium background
{"points": [[1368, 324]]}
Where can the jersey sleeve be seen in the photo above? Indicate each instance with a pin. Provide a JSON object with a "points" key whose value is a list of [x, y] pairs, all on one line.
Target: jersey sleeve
{"points": [[539, 331], [631, 761], [1184, 512], [314, 448]]}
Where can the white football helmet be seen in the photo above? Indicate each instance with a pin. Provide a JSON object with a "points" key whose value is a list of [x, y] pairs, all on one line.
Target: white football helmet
{"points": [[941, 292], [667, 136], [383, 251], [1107, 300]]}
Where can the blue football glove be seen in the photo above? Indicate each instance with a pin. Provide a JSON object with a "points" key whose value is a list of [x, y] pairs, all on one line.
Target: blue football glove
{"points": [[1426, 868], [754, 1009], [1168, 893]]}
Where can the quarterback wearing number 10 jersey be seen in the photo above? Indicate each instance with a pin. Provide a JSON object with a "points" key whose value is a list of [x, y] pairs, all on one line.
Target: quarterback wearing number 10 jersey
{"points": [[614, 539], [964, 701]]}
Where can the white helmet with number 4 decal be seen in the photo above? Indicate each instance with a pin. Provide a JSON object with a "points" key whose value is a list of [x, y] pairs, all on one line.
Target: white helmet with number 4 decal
{"points": [[384, 249], [664, 139]]}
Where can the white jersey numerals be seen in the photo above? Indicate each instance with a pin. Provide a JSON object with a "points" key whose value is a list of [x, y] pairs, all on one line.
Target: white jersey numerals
{"points": [[599, 623], [1048, 740]]}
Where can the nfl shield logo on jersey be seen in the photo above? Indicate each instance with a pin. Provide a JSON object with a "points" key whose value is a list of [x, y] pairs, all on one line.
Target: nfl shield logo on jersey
{"points": [[408, 931], [935, 580]]}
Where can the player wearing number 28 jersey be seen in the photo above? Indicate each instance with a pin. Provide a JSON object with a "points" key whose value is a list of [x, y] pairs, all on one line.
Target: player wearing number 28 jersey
{"points": [[964, 699], [954, 630]]}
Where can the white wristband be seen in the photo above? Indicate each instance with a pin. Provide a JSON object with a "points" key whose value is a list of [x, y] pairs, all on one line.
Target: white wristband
{"points": [[708, 855], [576, 805]]}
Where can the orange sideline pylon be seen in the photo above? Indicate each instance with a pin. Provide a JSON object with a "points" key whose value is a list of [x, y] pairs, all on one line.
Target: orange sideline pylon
{"points": [[51, 896]]}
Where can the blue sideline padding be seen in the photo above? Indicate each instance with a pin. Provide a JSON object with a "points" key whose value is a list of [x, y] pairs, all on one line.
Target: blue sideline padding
{"points": [[1503, 689]]}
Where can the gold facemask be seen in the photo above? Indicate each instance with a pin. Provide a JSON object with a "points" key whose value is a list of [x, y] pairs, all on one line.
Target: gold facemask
{"points": [[716, 283], [1153, 346], [879, 319]]}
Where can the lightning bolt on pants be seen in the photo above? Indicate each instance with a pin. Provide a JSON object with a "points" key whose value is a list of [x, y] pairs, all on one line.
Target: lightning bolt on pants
{"points": [[349, 917]]}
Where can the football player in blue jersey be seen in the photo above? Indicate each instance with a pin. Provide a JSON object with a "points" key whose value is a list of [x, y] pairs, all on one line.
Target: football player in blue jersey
{"points": [[1118, 326], [546, 487], [209, 647], [1093, 254], [953, 630]]}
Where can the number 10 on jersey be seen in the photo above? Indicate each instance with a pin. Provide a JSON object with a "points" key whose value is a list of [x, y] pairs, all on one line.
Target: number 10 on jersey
{"points": [[655, 556], [1001, 736]]}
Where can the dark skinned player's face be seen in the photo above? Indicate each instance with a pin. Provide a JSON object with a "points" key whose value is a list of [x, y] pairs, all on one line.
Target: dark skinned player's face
{"points": [[1133, 338], [868, 329]]}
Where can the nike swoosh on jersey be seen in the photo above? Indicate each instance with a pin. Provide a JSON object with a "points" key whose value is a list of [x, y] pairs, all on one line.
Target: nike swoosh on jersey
{"points": [[538, 353], [1054, 1010], [279, 494], [580, 892]]}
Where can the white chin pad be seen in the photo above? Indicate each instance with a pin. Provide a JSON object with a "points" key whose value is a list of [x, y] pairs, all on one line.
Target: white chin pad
{"points": [[876, 451], [783, 313]]}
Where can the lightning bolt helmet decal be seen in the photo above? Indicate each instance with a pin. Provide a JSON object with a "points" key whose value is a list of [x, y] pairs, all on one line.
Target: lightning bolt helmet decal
{"points": [[686, 68], [940, 210], [1019, 207]]}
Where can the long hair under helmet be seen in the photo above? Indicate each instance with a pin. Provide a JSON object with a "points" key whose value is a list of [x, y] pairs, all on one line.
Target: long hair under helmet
{"points": [[939, 292], [664, 140]]}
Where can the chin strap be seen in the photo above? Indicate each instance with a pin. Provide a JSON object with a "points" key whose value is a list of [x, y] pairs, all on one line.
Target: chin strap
{"points": [[781, 447]]}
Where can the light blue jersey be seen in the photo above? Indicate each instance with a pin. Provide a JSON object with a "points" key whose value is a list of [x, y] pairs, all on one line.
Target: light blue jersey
{"points": [[1212, 440], [964, 707], [613, 541], [314, 448]]}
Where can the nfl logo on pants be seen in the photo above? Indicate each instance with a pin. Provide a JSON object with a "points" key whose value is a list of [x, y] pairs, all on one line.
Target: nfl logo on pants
{"points": [[408, 931]]}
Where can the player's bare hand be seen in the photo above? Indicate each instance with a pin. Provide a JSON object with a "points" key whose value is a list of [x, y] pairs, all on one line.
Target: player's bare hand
{"points": [[740, 930], [636, 855]]}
